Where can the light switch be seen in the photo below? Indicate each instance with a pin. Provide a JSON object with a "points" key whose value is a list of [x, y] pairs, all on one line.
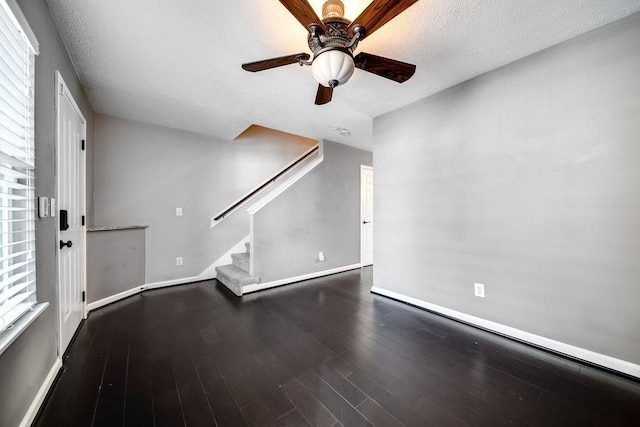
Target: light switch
{"points": [[178, 211]]}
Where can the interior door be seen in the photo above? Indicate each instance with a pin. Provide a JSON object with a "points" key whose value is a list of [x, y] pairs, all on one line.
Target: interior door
{"points": [[71, 206], [366, 215]]}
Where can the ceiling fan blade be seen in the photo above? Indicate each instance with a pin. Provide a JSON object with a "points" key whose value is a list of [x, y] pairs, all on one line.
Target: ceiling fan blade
{"points": [[324, 95], [388, 68], [303, 12], [275, 62], [378, 13]]}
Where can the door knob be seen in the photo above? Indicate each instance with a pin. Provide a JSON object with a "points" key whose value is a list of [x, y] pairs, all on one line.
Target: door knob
{"points": [[366, 222], [67, 244]]}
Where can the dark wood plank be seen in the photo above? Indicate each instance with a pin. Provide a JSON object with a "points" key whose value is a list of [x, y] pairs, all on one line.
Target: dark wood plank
{"points": [[225, 410], [167, 408], [194, 403], [339, 407], [376, 414], [111, 401], [314, 412], [257, 413], [436, 414], [84, 393], [323, 352], [292, 418], [388, 401], [138, 402]]}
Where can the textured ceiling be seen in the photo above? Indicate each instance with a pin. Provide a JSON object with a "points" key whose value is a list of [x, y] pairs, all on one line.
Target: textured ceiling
{"points": [[177, 63]]}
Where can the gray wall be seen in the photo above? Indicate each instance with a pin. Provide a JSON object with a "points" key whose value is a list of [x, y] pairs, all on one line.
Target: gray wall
{"points": [[115, 262], [143, 172], [526, 179], [321, 212], [24, 366]]}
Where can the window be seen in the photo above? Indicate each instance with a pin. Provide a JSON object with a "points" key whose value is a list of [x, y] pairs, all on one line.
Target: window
{"points": [[17, 175]]}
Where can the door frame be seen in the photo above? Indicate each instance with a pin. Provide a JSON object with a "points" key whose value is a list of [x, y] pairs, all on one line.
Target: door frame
{"points": [[62, 90], [362, 168]]}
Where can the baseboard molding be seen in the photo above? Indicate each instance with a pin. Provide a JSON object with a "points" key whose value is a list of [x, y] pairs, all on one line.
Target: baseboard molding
{"points": [[262, 286], [38, 400], [574, 352], [157, 285], [117, 297], [113, 298]]}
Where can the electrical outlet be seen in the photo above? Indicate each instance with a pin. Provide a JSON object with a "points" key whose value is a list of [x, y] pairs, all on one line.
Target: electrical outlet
{"points": [[179, 260], [478, 289], [178, 211], [320, 256]]}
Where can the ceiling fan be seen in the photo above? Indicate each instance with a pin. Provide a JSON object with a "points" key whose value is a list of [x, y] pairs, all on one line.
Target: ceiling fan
{"points": [[333, 40]]}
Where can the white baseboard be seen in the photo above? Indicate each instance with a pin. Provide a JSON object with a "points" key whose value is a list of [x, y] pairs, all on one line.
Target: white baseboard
{"points": [[30, 416], [261, 286], [113, 298], [537, 340], [166, 283], [210, 272], [117, 297]]}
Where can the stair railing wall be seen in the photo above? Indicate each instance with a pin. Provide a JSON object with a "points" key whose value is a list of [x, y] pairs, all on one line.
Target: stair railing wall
{"points": [[265, 185]]}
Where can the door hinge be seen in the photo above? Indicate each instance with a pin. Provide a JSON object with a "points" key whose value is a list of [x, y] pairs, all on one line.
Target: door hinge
{"points": [[82, 145], [82, 219], [84, 296]]}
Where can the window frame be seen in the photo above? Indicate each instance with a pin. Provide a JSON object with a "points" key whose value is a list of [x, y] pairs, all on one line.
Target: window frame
{"points": [[18, 216]]}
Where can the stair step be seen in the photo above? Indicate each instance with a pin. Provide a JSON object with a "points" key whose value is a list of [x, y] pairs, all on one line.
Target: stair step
{"points": [[234, 278], [241, 261]]}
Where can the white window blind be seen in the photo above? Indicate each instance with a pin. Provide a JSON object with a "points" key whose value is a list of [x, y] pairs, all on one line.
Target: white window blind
{"points": [[17, 172]]}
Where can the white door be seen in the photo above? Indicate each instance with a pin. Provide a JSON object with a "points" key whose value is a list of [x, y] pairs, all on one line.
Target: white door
{"points": [[70, 133], [366, 215]]}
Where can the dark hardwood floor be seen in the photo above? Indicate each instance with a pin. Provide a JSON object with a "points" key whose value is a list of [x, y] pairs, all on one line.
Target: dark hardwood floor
{"points": [[324, 352]]}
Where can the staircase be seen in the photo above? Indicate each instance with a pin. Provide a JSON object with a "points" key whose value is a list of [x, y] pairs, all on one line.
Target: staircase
{"points": [[236, 275]]}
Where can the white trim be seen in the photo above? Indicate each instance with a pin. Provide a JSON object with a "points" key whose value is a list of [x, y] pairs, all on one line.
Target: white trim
{"points": [[61, 89], [537, 340], [67, 93], [251, 246], [133, 291], [38, 399], [360, 224], [293, 162], [210, 272], [262, 286], [21, 22], [113, 298], [285, 185], [9, 336], [166, 283]]}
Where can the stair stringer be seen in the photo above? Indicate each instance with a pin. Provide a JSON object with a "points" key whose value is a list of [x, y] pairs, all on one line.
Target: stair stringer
{"points": [[264, 199], [210, 272]]}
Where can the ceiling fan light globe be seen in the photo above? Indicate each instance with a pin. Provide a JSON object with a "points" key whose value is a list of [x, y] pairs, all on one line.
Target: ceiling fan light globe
{"points": [[331, 67]]}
